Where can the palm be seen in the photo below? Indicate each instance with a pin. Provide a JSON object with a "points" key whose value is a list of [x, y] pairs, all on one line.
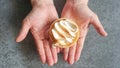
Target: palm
{"points": [[83, 16], [38, 22]]}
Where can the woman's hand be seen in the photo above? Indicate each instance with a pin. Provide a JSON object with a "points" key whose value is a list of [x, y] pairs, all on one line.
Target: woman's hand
{"points": [[38, 22], [83, 16]]}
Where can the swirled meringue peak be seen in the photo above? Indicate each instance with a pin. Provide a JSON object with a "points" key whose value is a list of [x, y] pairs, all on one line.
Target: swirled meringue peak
{"points": [[63, 33]]}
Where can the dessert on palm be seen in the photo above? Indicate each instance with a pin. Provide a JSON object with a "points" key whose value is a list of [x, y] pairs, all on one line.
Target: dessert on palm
{"points": [[63, 33]]}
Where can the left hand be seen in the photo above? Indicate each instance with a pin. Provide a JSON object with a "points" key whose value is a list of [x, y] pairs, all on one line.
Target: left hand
{"points": [[83, 16], [38, 22]]}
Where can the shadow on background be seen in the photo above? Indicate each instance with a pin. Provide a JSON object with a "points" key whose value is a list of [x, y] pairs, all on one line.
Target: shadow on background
{"points": [[59, 4]]}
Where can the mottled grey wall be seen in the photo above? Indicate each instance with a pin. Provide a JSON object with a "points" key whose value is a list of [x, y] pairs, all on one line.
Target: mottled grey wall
{"points": [[98, 52]]}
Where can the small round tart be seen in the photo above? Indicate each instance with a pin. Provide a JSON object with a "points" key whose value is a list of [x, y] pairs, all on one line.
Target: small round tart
{"points": [[63, 33]]}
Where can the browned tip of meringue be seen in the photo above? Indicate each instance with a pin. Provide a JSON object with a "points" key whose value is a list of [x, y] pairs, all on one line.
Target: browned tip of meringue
{"points": [[63, 33]]}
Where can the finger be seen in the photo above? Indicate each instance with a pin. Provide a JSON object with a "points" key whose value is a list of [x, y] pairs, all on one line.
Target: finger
{"points": [[71, 54], [98, 26], [24, 31], [61, 50], [65, 53], [40, 47], [58, 50], [48, 53], [79, 48], [54, 54]]}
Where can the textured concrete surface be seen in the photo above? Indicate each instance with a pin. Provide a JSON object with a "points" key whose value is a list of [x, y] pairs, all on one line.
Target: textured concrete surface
{"points": [[98, 52]]}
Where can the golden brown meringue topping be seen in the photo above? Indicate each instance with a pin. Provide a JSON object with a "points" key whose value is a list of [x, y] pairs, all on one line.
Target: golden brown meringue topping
{"points": [[64, 32]]}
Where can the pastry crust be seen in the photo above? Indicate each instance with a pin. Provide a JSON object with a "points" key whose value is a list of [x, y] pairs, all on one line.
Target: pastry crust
{"points": [[55, 41]]}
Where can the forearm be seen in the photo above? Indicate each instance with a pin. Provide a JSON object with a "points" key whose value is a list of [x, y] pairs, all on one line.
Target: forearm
{"points": [[41, 2], [85, 2]]}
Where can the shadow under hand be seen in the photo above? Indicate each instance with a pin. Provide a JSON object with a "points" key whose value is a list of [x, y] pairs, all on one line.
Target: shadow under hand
{"points": [[59, 4]]}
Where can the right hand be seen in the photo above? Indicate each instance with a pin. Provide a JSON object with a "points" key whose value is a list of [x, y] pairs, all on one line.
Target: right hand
{"points": [[83, 16]]}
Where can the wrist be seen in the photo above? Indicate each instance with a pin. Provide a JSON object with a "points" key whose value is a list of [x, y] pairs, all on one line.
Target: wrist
{"points": [[38, 3], [80, 2]]}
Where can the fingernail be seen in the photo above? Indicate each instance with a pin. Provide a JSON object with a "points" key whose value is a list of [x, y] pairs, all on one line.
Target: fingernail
{"points": [[50, 64], [65, 58], [71, 62], [17, 40], [106, 34], [55, 61], [76, 60], [43, 61]]}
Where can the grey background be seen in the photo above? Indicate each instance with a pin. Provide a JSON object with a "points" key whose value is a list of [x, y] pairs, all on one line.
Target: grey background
{"points": [[98, 52]]}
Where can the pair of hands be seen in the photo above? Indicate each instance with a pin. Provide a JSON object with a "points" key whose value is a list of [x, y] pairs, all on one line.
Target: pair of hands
{"points": [[39, 20]]}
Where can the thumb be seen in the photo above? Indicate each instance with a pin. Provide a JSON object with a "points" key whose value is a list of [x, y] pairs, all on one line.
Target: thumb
{"points": [[98, 26], [64, 14], [24, 30]]}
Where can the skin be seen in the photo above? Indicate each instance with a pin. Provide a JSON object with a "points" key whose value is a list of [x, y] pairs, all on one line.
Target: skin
{"points": [[78, 11], [38, 22], [43, 13]]}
